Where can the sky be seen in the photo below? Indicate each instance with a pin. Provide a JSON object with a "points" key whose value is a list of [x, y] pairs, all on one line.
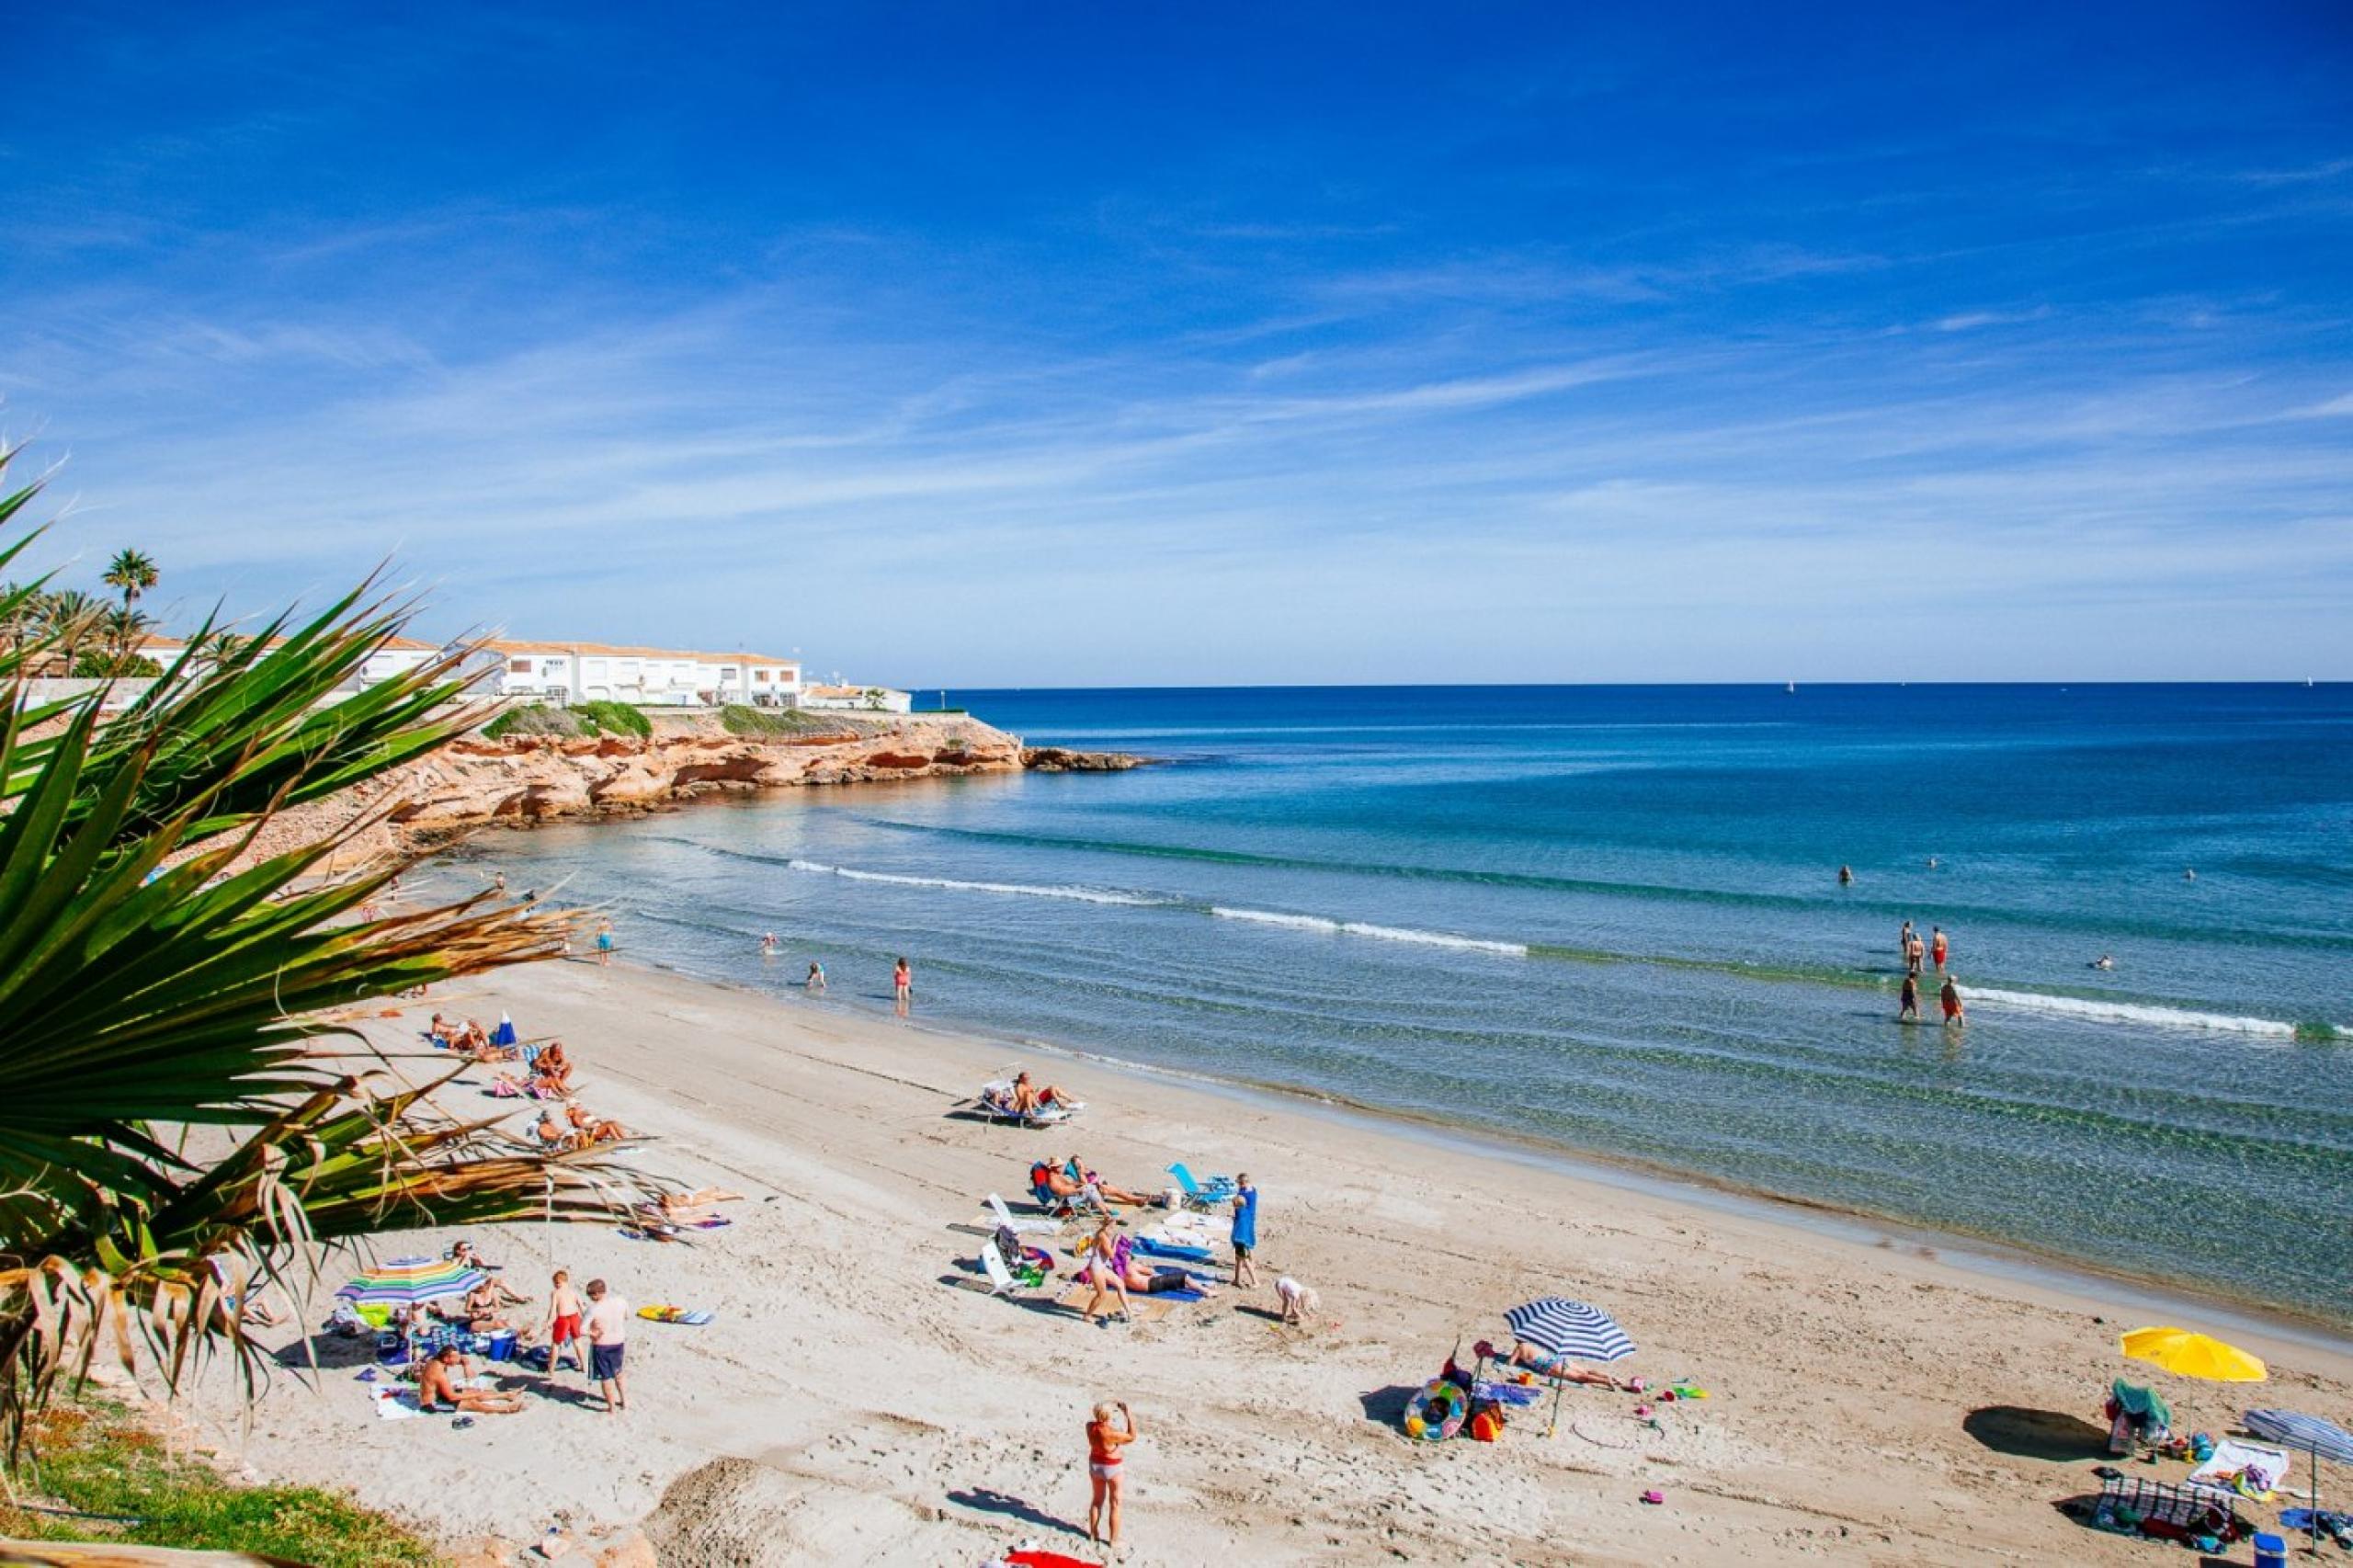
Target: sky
{"points": [[979, 344]]}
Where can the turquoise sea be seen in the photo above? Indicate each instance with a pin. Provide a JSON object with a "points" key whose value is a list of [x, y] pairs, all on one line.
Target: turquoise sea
{"points": [[1608, 919]]}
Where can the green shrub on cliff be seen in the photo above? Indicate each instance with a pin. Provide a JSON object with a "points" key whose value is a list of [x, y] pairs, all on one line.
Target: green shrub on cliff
{"points": [[618, 717], [536, 719], [739, 720]]}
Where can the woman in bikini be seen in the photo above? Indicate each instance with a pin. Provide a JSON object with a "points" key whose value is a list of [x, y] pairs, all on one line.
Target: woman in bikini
{"points": [[1101, 1272], [1104, 1440], [1560, 1369]]}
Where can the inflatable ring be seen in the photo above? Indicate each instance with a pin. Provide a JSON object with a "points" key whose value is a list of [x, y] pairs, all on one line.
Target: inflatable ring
{"points": [[1437, 1413]]}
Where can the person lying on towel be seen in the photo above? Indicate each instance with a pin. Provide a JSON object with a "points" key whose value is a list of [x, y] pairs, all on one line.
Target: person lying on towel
{"points": [[1147, 1280], [1546, 1364]]}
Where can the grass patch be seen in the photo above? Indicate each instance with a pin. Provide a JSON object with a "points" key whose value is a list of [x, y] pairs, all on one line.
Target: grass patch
{"points": [[536, 719], [738, 719], [95, 1456], [618, 717]]}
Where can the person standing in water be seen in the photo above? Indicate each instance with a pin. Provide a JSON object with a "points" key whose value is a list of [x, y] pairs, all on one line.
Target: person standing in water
{"points": [[768, 944], [1951, 997], [1914, 952], [1907, 1006], [1938, 947], [1845, 875], [815, 984], [1904, 940], [902, 984]]}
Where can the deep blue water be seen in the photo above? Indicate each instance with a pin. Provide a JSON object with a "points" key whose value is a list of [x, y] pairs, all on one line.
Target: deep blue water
{"points": [[1609, 918]]}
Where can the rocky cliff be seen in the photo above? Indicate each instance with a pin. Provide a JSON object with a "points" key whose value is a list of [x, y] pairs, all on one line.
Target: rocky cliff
{"points": [[530, 778]]}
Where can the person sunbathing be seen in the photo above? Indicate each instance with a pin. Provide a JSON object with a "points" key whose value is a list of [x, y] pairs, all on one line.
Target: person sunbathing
{"points": [[1086, 1178], [1149, 1279], [470, 1037], [481, 1311], [442, 1032], [438, 1390], [553, 1134], [594, 1129], [1550, 1364], [1028, 1098], [688, 1205], [552, 1073]]}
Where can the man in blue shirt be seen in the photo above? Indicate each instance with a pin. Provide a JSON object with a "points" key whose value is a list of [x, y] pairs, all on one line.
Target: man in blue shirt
{"points": [[1246, 1230]]}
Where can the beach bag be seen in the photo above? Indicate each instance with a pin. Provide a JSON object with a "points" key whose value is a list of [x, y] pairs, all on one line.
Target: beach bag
{"points": [[1486, 1423]]}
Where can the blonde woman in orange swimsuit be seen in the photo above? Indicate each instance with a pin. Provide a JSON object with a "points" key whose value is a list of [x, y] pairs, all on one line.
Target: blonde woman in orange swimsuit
{"points": [[1104, 1441]]}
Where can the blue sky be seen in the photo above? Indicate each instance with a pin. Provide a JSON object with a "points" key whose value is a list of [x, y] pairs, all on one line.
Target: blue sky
{"points": [[979, 344]]}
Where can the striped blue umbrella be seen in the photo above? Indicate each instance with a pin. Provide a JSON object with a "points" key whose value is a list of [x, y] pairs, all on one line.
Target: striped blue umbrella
{"points": [[1569, 1328], [2321, 1440]]}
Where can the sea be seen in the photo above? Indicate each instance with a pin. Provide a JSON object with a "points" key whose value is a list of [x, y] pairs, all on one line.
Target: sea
{"points": [[1609, 921]]}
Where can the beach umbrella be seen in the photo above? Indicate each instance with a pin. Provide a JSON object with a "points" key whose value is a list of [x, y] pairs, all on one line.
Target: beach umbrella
{"points": [[1570, 1329], [2321, 1439], [505, 1033], [2188, 1354], [409, 1280]]}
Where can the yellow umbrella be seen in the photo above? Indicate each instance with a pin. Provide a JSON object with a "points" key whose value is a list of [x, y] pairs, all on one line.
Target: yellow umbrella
{"points": [[2193, 1356]]}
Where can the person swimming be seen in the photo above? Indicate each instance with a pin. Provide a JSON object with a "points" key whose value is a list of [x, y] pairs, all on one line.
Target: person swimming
{"points": [[1845, 875], [2103, 961]]}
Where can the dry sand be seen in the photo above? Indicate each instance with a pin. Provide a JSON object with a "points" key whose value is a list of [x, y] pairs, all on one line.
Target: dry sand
{"points": [[856, 1400]]}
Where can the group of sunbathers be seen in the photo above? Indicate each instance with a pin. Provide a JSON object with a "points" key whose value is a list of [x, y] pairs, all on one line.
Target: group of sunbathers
{"points": [[577, 1127], [1071, 1185], [1111, 1265]]}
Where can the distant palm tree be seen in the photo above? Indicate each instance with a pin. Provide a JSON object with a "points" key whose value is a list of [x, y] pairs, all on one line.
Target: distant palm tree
{"points": [[131, 574], [69, 622]]}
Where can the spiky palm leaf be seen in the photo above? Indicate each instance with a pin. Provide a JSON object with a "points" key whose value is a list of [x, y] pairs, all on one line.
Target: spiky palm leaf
{"points": [[165, 1102]]}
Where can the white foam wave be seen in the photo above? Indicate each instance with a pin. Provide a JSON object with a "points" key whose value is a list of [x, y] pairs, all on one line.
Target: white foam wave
{"points": [[2132, 1013], [1380, 933], [1020, 890]]}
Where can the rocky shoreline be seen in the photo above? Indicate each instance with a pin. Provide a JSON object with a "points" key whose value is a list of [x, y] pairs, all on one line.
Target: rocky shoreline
{"points": [[522, 780]]}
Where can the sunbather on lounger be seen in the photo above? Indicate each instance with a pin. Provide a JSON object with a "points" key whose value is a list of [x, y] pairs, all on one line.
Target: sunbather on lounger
{"points": [[438, 1390], [1081, 1179], [1560, 1369], [1028, 1099]]}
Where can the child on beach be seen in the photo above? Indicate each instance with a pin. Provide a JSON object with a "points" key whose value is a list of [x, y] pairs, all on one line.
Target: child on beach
{"points": [[563, 1326], [1299, 1301], [604, 943], [1104, 1441]]}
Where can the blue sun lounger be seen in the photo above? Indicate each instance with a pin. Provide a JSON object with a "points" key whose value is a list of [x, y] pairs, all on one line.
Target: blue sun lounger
{"points": [[1218, 1189]]}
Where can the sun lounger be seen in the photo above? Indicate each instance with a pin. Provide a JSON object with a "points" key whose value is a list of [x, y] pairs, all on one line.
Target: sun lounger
{"points": [[1219, 1190], [995, 1102], [1017, 1225], [1002, 1280]]}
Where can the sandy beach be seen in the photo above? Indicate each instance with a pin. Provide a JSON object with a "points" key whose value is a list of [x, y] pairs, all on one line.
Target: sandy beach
{"points": [[857, 1399]]}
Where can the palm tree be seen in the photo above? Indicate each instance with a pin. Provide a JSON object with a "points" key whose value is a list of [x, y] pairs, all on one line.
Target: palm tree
{"points": [[131, 574], [69, 622], [220, 647], [171, 1127]]}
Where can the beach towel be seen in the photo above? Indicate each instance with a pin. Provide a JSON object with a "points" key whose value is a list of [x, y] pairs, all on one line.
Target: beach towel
{"points": [[1507, 1393], [1152, 1248], [1149, 1308], [697, 1317], [2264, 1468], [394, 1404]]}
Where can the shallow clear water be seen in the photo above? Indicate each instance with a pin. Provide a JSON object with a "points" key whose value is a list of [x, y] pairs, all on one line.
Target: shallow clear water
{"points": [[1608, 918]]}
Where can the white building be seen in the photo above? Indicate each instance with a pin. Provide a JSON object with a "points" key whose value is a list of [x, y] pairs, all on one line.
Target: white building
{"points": [[397, 656], [863, 699], [601, 672]]}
